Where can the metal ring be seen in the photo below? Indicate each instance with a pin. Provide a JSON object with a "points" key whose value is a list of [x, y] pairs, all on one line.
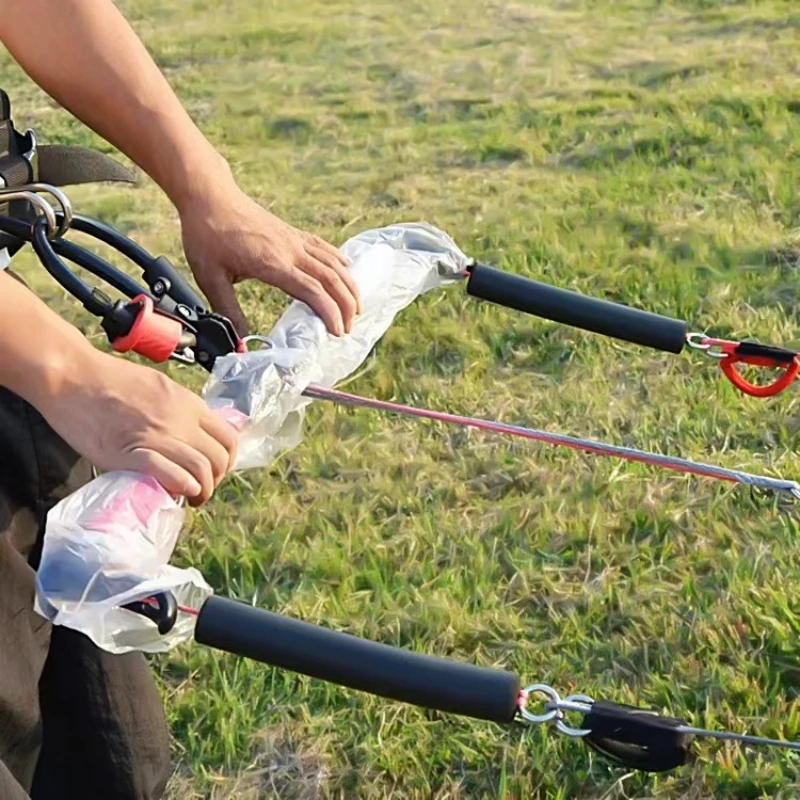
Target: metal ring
{"points": [[256, 337], [63, 200], [575, 702], [54, 228], [40, 204], [549, 716], [691, 340]]}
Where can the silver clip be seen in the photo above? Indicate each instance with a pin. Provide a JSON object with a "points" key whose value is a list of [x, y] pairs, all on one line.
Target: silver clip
{"points": [[556, 707]]}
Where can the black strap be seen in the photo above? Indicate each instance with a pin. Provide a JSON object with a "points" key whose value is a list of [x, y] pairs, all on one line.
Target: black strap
{"points": [[636, 737], [69, 165], [15, 171], [22, 161]]}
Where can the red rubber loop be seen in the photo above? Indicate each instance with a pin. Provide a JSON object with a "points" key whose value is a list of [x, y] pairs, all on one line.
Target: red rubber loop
{"points": [[728, 366], [152, 335]]}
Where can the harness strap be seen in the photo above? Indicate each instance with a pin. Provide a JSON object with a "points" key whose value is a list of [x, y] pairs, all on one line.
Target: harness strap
{"points": [[69, 165], [23, 161]]}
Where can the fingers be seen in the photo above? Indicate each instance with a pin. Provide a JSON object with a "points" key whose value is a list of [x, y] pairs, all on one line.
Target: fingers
{"points": [[188, 471], [192, 470], [196, 463], [218, 288], [225, 436], [215, 453], [336, 288], [348, 287], [309, 290], [332, 257], [174, 478], [318, 241]]}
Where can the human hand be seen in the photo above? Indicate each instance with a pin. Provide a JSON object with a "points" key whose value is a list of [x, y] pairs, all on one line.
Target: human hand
{"points": [[228, 238], [124, 416]]}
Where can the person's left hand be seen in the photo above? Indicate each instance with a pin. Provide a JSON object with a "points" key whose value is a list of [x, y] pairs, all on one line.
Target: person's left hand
{"points": [[230, 238]]}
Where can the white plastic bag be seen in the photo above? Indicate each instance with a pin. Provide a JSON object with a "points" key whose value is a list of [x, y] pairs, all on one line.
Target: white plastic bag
{"points": [[110, 542], [392, 267]]}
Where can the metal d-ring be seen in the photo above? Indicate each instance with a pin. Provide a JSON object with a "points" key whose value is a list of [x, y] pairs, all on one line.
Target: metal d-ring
{"points": [[40, 204], [257, 337], [61, 197]]}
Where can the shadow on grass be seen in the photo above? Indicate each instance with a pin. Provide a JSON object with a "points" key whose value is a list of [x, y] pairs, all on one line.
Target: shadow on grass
{"points": [[649, 74], [732, 29], [664, 151]]}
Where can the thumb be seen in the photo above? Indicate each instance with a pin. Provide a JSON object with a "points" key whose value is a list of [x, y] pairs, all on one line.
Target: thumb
{"points": [[222, 296]]}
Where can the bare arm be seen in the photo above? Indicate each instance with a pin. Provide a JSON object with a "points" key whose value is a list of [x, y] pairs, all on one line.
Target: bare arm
{"points": [[118, 414], [33, 365], [87, 57]]}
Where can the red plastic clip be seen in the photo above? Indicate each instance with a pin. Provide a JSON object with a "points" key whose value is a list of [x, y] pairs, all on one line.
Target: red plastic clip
{"points": [[152, 335], [732, 353]]}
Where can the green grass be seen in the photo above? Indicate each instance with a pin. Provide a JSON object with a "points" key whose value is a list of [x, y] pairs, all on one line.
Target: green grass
{"points": [[642, 150]]}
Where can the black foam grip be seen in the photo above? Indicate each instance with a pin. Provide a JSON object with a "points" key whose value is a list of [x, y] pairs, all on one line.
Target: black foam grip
{"points": [[346, 660], [578, 310]]}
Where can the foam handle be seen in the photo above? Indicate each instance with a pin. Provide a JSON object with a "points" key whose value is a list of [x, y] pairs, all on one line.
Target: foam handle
{"points": [[346, 660], [578, 310]]}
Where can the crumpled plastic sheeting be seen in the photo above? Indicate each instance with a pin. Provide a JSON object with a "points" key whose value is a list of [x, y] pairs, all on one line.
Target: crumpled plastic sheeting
{"points": [[110, 542], [392, 267]]}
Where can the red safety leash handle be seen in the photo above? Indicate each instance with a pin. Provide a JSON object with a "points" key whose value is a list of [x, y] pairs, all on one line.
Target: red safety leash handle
{"points": [[787, 377], [731, 353]]}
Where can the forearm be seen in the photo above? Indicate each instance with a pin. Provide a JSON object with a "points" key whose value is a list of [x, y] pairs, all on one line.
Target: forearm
{"points": [[85, 55], [38, 349]]}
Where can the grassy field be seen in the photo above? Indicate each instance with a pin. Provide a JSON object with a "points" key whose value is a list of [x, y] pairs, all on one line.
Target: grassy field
{"points": [[645, 151]]}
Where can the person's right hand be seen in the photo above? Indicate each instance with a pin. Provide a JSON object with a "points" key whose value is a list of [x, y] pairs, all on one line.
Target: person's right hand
{"points": [[121, 415]]}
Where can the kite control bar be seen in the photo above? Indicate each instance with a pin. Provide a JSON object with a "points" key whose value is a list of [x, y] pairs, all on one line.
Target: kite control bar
{"points": [[167, 320], [633, 737], [628, 324], [577, 310]]}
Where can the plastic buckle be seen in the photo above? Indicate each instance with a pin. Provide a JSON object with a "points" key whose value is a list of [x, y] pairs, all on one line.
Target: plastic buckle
{"points": [[152, 335]]}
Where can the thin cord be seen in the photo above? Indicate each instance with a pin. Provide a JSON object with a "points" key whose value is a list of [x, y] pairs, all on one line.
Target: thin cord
{"points": [[562, 440]]}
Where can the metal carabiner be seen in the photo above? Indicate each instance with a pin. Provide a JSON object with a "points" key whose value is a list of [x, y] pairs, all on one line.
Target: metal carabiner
{"points": [[699, 341]]}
